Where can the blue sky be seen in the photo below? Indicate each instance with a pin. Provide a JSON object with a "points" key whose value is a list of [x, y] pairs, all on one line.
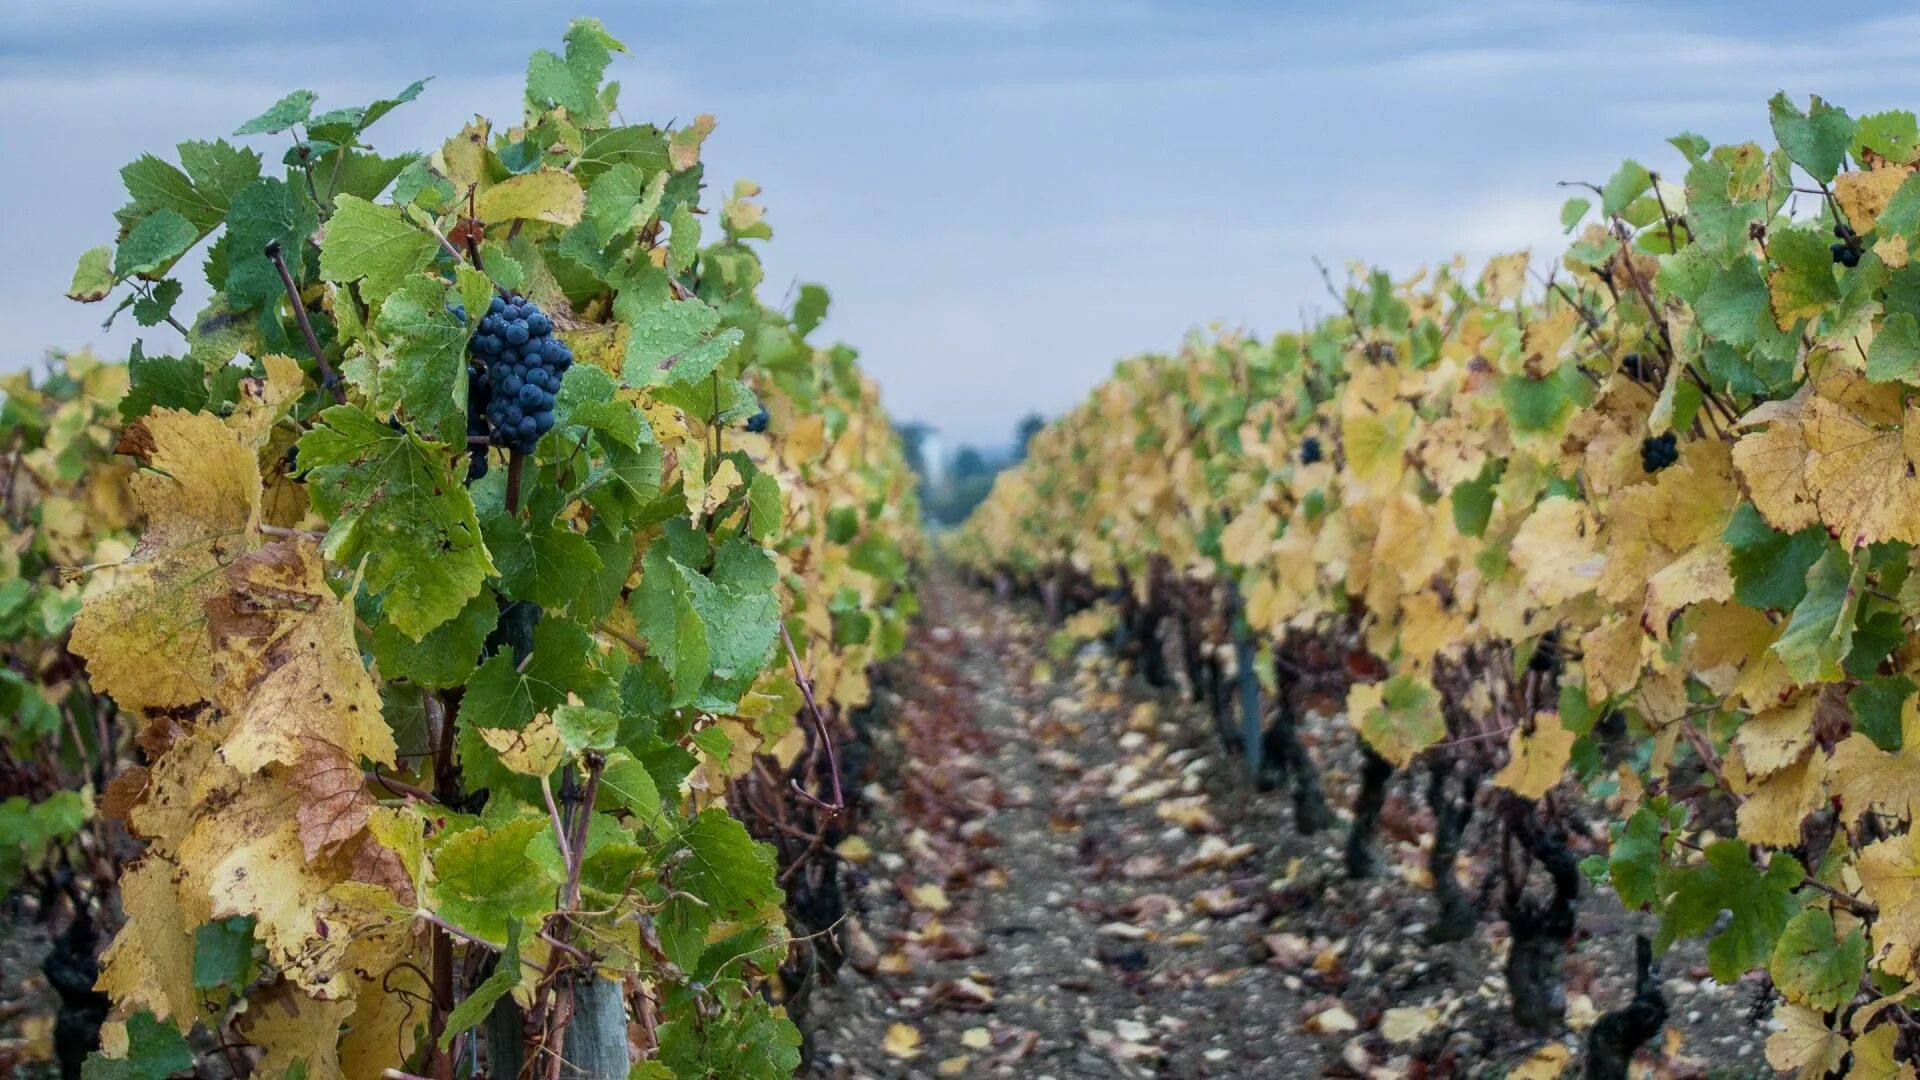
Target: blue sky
{"points": [[1004, 196]]}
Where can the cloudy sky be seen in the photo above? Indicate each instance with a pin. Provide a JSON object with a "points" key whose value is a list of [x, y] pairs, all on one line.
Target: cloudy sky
{"points": [[1004, 196]]}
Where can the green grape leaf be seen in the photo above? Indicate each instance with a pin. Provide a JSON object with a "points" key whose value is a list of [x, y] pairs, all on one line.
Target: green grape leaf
{"points": [[672, 342], [1735, 304], [220, 171], [1816, 140], [288, 111], [429, 374], [546, 563], [1876, 704], [584, 728], [622, 199], [1802, 283], [1895, 353], [159, 239], [626, 782], [1813, 969], [152, 309], [484, 881], [398, 512], [1760, 904], [156, 185], [446, 655], [1770, 567], [501, 696], [732, 873], [668, 621], [1820, 631], [1635, 859], [1628, 183], [1893, 135], [223, 953], [572, 82], [162, 382], [93, 278], [476, 1005], [810, 308], [261, 213], [374, 244], [364, 175], [155, 1051], [750, 1044], [1572, 211]]}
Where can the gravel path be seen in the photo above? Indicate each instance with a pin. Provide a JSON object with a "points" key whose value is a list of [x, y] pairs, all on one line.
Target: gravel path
{"points": [[1065, 879]]}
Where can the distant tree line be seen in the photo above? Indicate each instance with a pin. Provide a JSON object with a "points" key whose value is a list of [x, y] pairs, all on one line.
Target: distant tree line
{"points": [[950, 491]]}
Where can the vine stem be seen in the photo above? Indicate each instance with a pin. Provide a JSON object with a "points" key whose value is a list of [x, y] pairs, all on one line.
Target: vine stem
{"points": [[327, 376], [516, 461], [820, 723], [446, 785]]}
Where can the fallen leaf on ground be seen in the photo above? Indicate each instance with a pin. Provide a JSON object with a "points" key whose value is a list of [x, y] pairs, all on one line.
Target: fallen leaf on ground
{"points": [[903, 1041], [1332, 1021], [1545, 1063], [1406, 1024]]}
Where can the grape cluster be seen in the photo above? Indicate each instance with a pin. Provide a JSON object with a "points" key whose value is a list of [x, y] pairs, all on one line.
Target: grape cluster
{"points": [[1847, 251], [1635, 368], [1658, 452], [523, 363], [758, 421], [1309, 450]]}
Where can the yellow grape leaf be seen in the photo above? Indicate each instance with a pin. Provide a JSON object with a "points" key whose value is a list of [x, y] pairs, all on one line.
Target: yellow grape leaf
{"points": [[150, 963], [1805, 1044], [1557, 551], [293, 1029], [1545, 337], [1863, 194], [1504, 277], [726, 480], [1247, 539], [1873, 1054], [1890, 875], [263, 402], [535, 750], [1399, 717], [1653, 525], [1866, 777], [201, 495], [1703, 573], [1778, 804], [247, 858], [1536, 761], [806, 439], [1376, 444], [385, 1017], [550, 195], [1773, 463], [1863, 477], [1771, 740], [1611, 654], [1426, 627], [683, 149], [179, 783], [286, 664]]}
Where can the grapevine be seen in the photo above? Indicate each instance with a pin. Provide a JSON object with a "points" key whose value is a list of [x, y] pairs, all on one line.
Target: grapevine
{"points": [[1640, 526], [448, 765]]}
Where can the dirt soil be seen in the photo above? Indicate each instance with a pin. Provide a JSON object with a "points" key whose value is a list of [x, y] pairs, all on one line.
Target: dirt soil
{"points": [[1068, 878]]}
